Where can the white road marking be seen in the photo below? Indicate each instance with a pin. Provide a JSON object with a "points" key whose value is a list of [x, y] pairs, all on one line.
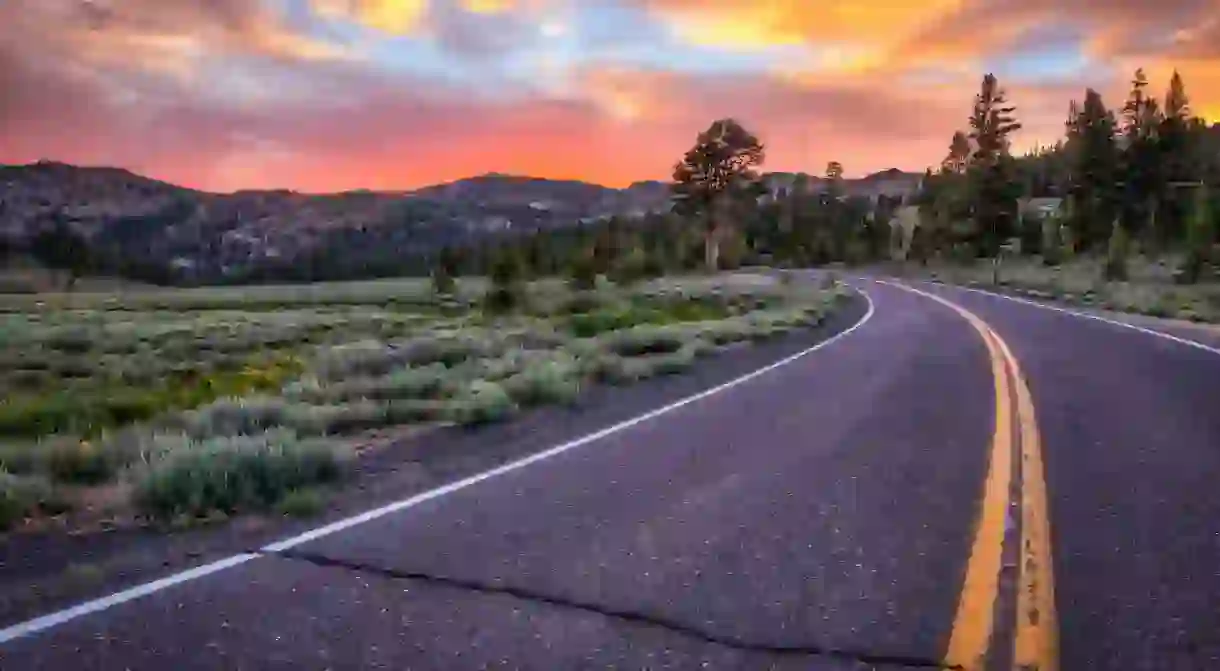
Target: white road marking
{"points": [[1085, 315], [40, 624]]}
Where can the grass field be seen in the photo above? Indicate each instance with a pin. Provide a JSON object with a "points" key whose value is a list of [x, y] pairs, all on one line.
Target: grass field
{"points": [[1150, 288], [204, 401]]}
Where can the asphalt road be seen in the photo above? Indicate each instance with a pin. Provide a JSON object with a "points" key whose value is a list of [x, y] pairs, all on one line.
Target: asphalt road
{"points": [[818, 516]]}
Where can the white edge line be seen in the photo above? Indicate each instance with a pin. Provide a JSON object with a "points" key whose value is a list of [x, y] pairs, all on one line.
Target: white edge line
{"points": [[1085, 315], [60, 617]]}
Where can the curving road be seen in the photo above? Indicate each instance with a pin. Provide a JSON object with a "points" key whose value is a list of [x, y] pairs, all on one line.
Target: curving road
{"points": [[847, 509]]}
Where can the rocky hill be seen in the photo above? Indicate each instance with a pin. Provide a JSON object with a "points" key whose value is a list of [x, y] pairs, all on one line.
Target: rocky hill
{"points": [[160, 232]]}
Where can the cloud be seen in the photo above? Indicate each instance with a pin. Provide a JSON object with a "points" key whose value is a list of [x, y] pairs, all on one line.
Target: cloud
{"points": [[339, 94], [167, 34], [391, 16]]}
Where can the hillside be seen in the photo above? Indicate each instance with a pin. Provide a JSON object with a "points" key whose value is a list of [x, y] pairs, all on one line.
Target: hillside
{"points": [[160, 232]]}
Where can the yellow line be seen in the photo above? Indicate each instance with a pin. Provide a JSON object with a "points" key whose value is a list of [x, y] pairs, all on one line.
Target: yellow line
{"points": [[1037, 638], [1036, 641], [973, 623]]}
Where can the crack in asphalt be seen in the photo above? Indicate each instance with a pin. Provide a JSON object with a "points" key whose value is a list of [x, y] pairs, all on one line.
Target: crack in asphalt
{"points": [[635, 617]]}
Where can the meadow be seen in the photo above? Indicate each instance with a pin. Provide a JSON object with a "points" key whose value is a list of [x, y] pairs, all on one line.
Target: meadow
{"points": [[1150, 288], [168, 405]]}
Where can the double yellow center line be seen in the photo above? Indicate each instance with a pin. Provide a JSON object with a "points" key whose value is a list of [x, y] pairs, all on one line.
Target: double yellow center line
{"points": [[1036, 638]]}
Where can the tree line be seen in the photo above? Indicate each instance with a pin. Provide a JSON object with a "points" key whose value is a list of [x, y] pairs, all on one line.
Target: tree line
{"points": [[1139, 177]]}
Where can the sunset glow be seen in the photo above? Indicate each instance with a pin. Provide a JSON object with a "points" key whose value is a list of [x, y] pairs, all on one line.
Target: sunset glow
{"points": [[325, 95]]}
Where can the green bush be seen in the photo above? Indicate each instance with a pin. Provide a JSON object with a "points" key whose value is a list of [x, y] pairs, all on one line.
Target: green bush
{"points": [[302, 503], [582, 273], [726, 331], [234, 473], [553, 381], [506, 292], [612, 319], [234, 416], [581, 302], [631, 268], [615, 369], [426, 382], [409, 382], [482, 402], [642, 340], [242, 416]]}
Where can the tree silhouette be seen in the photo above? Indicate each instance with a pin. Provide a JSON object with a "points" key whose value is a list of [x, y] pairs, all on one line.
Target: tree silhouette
{"points": [[62, 248], [993, 188], [716, 171], [1094, 172]]}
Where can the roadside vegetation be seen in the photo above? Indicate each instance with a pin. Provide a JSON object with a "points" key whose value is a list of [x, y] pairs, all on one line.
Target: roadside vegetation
{"points": [[192, 404], [1121, 214]]}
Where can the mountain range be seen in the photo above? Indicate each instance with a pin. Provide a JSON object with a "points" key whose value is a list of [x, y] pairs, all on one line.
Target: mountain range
{"points": [[150, 224]]}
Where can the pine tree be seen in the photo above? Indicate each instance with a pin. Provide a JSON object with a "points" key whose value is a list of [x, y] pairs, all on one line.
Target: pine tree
{"points": [[1200, 236], [443, 273], [1142, 172], [1094, 172], [1116, 254], [1173, 211], [506, 291], [958, 158], [994, 190], [712, 175]]}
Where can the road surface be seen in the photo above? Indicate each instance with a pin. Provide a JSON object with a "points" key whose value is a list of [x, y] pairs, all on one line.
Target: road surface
{"points": [[961, 479]]}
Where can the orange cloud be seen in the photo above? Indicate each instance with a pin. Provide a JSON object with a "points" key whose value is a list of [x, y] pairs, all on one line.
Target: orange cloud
{"points": [[845, 34], [391, 16]]}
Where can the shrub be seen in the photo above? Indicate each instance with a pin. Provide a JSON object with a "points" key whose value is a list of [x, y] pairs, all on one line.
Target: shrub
{"points": [[553, 381], [726, 331], [82, 462], [238, 416], [583, 301], [615, 369], [482, 402], [427, 381], [23, 496], [302, 503], [442, 280], [412, 411], [233, 416], [631, 268], [675, 362], [645, 340], [408, 382], [234, 473], [505, 292], [611, 319], [368, 357], [582, 273], [71, 340]]}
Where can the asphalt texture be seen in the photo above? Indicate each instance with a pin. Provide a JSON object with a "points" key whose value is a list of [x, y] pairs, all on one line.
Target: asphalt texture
{"points": [[1130, 427], [819, 516]]}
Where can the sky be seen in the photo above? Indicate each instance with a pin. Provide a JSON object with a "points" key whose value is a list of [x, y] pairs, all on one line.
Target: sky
{"points": [[330, 95]]}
